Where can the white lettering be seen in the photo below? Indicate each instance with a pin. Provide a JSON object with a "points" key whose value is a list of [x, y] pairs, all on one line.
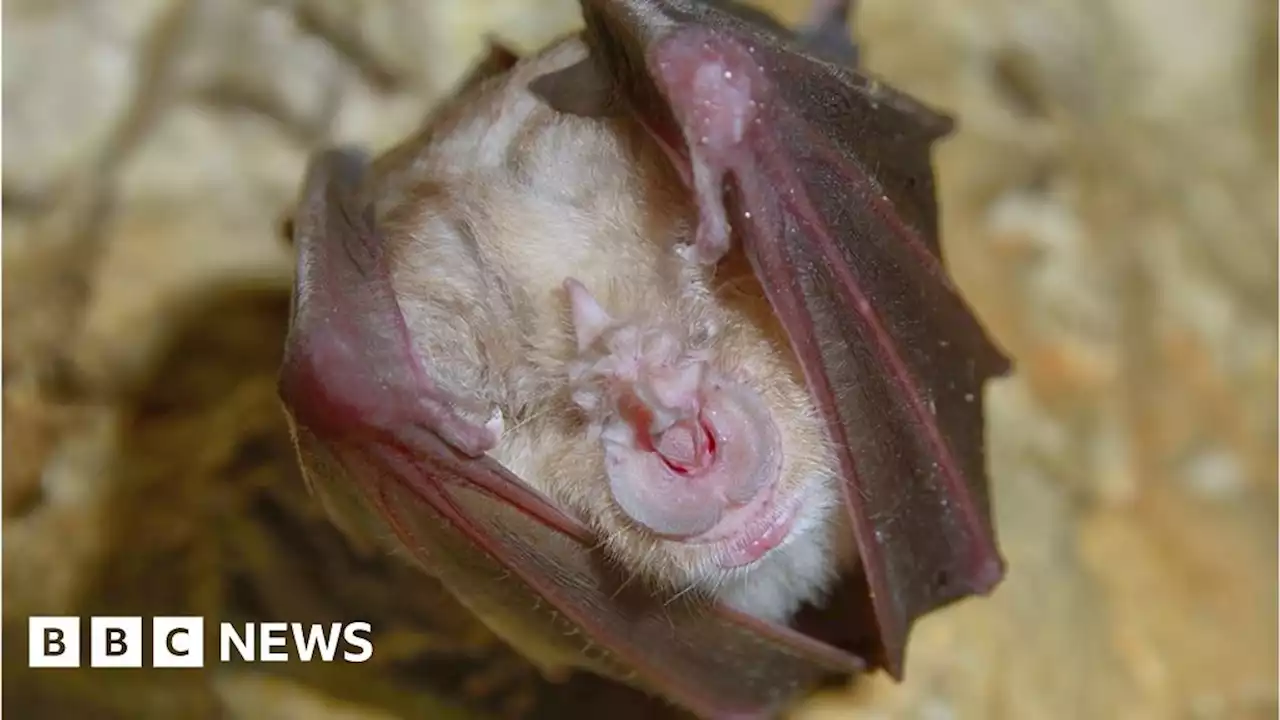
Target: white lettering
{"points": [[227, 636], [272, 635], [328, 642], [356, 634]]}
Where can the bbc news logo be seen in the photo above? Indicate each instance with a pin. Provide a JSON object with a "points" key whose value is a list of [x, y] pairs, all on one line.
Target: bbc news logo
{"points": [[178, 642]]}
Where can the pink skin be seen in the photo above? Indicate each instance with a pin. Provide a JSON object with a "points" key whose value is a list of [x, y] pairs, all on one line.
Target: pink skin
{"points": [[690, 455], [714, 87]]}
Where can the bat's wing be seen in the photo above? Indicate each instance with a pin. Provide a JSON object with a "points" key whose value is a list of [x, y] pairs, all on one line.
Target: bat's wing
{"points": [[375, 434], [824, 176]]}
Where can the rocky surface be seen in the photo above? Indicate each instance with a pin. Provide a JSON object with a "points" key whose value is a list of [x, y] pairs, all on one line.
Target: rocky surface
{"points": [[1109, 205]]}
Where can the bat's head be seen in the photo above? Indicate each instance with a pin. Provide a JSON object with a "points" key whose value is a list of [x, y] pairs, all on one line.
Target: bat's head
{"points": [[717, 464]]}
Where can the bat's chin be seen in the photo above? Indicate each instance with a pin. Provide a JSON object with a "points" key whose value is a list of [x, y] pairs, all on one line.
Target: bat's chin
{"points": [[746, 534]]}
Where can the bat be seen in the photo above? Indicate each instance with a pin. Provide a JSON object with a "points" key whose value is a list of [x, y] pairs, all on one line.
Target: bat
{"points": [[645, 347]]}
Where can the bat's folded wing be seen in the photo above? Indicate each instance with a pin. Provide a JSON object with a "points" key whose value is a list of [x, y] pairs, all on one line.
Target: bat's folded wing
{"points": [[824, 176], [371, 427]]}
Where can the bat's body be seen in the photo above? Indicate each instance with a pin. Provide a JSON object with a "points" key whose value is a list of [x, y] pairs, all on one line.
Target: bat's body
{"points": [[578, 380], [508, 201]]}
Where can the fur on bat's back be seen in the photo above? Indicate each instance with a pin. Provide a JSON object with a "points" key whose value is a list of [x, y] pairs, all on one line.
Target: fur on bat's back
{"points": [[488, 210]]}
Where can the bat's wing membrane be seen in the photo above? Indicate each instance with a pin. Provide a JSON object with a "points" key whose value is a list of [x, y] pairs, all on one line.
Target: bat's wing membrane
{"points": [[369, 425], [826, 181]]}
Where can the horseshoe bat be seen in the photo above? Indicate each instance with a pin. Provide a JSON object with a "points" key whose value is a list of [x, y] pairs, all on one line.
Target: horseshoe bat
{"points": [[645, 347]]}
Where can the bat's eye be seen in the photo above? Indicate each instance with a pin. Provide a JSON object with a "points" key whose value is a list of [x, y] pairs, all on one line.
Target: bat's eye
{"points": [[702, 332]]}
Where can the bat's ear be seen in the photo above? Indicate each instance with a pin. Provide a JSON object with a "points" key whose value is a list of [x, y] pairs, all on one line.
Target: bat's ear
{"points": [[590, 320], [583, 88]]}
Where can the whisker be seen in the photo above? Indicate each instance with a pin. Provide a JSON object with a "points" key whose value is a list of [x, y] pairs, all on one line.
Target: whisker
{"points": [[680, 594], [630, 577], [528, 419], [721, 578], [604, 540]]}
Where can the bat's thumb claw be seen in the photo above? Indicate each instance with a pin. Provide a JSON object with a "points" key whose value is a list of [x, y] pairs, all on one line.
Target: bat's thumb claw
{"points": [[495, 425], [712, 241]]}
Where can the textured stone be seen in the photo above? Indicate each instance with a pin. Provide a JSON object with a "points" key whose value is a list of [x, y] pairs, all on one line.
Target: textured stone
{"points": [[72, 72], [1109, 206]]}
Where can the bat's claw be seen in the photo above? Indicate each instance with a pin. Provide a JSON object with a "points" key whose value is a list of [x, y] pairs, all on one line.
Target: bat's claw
{"points": [[496, 425], [444, 415]]}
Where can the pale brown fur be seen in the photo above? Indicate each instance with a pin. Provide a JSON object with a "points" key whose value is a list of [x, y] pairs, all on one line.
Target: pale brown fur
{"points": [[487, 212]]}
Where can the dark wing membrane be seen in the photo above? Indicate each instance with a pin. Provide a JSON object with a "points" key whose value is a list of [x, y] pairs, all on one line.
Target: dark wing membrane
{"points": [[354, 393], [837, 181], [897, 364], [551, 590]]}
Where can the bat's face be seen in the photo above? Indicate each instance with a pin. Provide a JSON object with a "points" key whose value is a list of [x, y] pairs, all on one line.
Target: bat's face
{"points": [[719, 474]]}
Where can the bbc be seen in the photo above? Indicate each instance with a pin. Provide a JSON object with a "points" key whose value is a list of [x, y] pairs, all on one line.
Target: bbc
{"points": [[115, 642]]}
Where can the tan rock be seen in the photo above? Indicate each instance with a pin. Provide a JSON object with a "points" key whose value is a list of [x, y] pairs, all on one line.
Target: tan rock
{"points": [[1108, 205]]}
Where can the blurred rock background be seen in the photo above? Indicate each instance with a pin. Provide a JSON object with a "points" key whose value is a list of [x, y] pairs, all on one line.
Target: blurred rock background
{"points": [[1109, 205]]}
